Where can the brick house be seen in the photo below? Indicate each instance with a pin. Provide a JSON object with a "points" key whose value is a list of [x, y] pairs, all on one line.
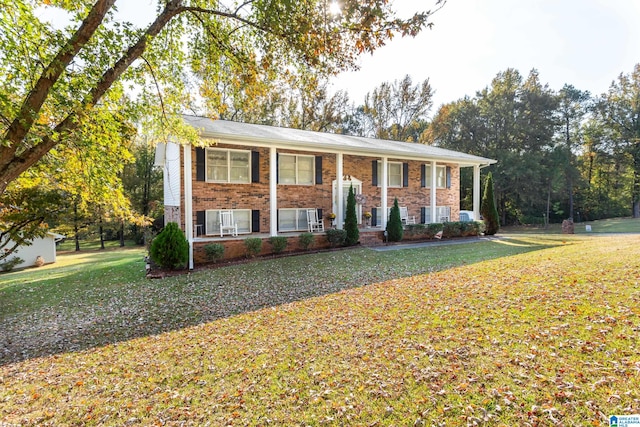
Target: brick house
{"points": [[269, 176]]}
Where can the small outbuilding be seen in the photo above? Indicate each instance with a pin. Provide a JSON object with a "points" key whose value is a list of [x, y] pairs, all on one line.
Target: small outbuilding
{"points": [[43, 247]]}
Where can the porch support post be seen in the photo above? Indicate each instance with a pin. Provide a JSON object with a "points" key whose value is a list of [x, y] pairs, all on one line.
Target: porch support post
{"points": [[339, 191], [273, 192], [188, 201], [476, 192], [432, 192], [383, 192]]}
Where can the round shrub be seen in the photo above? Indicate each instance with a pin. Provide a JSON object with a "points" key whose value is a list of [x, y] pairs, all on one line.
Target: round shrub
{"points": [[170, 248]]}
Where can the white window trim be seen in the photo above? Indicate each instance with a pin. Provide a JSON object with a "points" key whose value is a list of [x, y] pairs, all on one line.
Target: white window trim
{"points": [[297, 177], [389, 174], [427, 180], [215, 212], [228, 180], [300, 225]]}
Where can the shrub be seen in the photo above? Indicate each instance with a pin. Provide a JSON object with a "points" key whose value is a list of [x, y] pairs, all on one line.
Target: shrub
{"points": [[394, 225], [451, 229], [214, 251], [422, 231], [10, 264], [306, 240], [170, 248], [253, 245], [336, 237], [351, 221], [488, 208], [278, 243]]}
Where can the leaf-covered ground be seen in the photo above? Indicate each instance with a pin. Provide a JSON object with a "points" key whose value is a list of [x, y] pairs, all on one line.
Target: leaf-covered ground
{"points": [[548, 337]]}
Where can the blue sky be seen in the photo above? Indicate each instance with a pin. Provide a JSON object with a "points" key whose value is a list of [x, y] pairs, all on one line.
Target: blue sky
{"points": [[586, 43]]}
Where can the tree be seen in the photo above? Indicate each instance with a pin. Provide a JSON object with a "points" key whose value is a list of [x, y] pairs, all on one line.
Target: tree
{"points": [[573, 106], [620, 112], [351, 220], [170, 249], [488, 208], [394, 225], [57, 77], [398, 110]]}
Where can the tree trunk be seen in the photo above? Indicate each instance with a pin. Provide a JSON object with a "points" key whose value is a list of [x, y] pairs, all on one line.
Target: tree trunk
{"points": [[122, 234], [76, 228]]}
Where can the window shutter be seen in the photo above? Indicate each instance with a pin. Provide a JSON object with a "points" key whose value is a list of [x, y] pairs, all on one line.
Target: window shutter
{"points": [[200, 220], [320, 214], [255, 166], [255, 221], [277, 168], [448, 177], [423, 215], [200, 164], [374, 217], [423, 176], [374, 173], [405, 174], [318, 169]]}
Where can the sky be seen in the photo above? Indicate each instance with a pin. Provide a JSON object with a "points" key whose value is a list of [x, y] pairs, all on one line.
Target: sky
{"points": [[585, 43]]}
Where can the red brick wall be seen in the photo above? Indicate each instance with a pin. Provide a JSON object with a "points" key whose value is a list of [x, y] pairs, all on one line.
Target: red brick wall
{"points": [[255, 196]]}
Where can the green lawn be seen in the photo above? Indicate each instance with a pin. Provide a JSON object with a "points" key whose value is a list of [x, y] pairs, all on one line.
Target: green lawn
{"points": [[614, 225], [530, 329]]}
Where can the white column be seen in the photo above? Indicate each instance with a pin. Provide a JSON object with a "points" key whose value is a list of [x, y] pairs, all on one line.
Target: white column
{"points": [[476, 192], [273, 192], [434, 176], [188, 201], [339, 191], [383, 192]]}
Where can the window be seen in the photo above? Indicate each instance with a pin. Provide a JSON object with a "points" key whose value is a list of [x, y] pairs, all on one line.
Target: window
{"points": [[394, 174], [296, 169], [292, 220], [232, 166], [241, 216], [443, 214], [441, 176]]}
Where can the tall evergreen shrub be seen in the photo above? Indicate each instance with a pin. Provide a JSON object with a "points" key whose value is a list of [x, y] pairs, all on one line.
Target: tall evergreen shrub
{"points": [[170, 249], [488, 208], [394, 225], [351, 221]]}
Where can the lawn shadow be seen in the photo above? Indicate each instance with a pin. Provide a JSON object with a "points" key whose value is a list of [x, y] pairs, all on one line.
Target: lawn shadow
{"points": [[85, 310]]}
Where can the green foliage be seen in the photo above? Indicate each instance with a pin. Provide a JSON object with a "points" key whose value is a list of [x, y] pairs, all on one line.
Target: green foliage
{"points": [[278, 243], [9, 264], [422, 231], [214, 251], [351, 221], [170, 248], [488, 208], [394, 225], [336, 237], [306, 240], [253, 245]]}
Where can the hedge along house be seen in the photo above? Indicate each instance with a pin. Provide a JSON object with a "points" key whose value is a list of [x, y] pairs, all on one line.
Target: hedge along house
{"points": [[269, 176]]}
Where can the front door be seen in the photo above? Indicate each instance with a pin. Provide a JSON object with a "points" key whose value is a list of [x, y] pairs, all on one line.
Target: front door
{"points": [[346, 184]]}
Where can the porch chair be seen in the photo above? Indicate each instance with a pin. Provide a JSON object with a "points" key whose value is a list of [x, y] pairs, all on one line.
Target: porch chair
{"points": [[404, 216], [227, 223], [315, 223]]}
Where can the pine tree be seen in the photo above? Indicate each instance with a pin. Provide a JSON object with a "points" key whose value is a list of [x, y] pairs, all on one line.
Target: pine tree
{"points": [[351, 221], [488, 208], [170, 248], [394, 225]]}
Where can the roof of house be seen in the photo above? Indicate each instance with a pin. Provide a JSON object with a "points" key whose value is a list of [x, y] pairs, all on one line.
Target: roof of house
{"points": [[304, 140]]}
